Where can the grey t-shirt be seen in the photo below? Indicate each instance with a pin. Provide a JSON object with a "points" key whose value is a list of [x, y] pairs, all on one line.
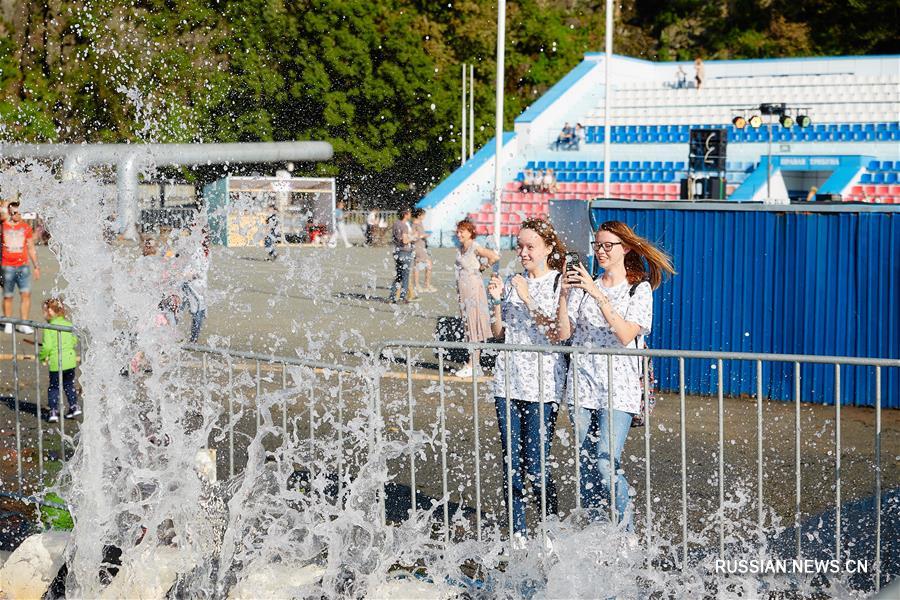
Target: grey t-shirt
{"points": [[400, 227]]}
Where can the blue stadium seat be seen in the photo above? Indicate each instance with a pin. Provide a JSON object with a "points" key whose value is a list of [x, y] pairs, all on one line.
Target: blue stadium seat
{"points": [[653, 129], [856, 127], [520, 176], [530, 165], [625, 177], [631, 130], [551, 164], [614, 177], [857, 136], [869, 136], [572, 165], [881, 127], [887, 165], [581, 176], [891, 178], [668, 176], [878, 177], [645, 165], [845, 127], [592, 166], [668, 166], [679, 166], [614, 166], [543, 165], [869, 127], [634, 165], [618, 138], [582, 165], [646, 176], [866, 178], [657, 165], [883, 136], [682, 138], [594, 177], [843, 136]]}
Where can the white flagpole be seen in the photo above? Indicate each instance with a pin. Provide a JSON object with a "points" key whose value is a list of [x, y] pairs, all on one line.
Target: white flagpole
{"points": [[471, 111], [498, 182], [607, 130], [464, 112]]}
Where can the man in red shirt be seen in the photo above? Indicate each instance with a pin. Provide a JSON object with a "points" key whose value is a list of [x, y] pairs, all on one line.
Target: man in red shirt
{"points": [[18, 247]]}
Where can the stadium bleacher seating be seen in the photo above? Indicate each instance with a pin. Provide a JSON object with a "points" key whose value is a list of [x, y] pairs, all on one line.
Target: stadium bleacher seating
{"points": [[845, 109]]}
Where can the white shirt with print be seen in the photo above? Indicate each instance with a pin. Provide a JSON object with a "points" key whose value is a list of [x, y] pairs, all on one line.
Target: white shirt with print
{"points": [[520, 328], [590, 329]]}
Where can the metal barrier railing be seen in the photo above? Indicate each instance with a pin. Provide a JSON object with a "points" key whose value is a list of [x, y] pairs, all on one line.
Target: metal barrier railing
{"points": [[394, 407], [394, 350], [17, 338]]}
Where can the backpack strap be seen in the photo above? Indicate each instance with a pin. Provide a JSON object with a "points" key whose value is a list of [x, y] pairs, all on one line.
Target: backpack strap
{"points": [[556, 282]]}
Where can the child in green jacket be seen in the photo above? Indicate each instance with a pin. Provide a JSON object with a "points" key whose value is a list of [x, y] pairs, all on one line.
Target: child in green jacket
{"points": [[58, 353]]}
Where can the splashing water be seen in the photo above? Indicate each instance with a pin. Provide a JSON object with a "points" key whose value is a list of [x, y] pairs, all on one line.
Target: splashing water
{"points": [[288, 523]]}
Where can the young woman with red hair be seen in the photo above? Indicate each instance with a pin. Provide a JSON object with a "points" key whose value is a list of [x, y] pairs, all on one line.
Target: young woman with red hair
{"points": [[612, 311]]}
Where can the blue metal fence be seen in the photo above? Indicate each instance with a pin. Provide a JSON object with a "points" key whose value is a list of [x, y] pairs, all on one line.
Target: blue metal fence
{"points": [[782, 279]]}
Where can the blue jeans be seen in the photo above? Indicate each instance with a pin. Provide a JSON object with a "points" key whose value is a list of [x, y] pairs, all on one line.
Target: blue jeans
{"points": [[402, 262], [13, 276], [593, 441], [68, 381], [196, 323], [525, 435]]}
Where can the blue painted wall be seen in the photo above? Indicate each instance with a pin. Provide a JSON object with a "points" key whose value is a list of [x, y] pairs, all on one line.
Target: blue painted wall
{"points": [[776, 282]]}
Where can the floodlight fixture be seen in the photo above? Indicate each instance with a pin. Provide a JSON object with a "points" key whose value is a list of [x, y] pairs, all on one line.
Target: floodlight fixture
{"points": [[739, 122], [786, 121], [803, 121], [754, 121]]}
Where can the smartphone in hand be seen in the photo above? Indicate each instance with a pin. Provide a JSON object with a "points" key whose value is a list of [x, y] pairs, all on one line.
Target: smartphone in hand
{"points": [[573, 261]]}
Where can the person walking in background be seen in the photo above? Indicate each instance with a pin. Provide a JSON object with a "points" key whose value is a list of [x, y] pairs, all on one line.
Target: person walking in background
{"points": [[194, 288], [401, 237], [18, 248], [272, 233], [471, 259], [699, 72], [371, 227], [58, 353], [340, 226], [613, 311], [528, 386], [420, 253]]}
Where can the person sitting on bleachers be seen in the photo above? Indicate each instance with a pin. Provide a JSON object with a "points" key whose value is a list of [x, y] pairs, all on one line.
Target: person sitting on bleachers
{"points": [[548, 182], [680, 78], [579, 136], [527, 182], [565, 136]]}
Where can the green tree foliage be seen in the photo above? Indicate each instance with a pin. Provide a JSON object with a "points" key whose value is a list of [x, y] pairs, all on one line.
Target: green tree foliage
{"points": [[379, 79]]}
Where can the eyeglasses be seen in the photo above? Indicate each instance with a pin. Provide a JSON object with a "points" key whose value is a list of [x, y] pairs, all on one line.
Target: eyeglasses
{"points": [[607, 246]]}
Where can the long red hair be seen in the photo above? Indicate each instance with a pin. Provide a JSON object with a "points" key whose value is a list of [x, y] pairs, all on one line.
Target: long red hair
{"points": [[645, 261]]}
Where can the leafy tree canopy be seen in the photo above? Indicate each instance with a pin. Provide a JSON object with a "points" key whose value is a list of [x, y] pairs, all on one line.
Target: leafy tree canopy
{"points": [[379, 80]]}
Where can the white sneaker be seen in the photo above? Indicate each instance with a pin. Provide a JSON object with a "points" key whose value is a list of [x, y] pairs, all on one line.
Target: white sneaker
{"points": [[519, 541], [466, 371], [7, 328], [26, 329]]}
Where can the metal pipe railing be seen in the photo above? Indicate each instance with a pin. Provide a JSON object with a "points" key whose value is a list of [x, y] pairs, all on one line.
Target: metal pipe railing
{"points": [[130, 159]]}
